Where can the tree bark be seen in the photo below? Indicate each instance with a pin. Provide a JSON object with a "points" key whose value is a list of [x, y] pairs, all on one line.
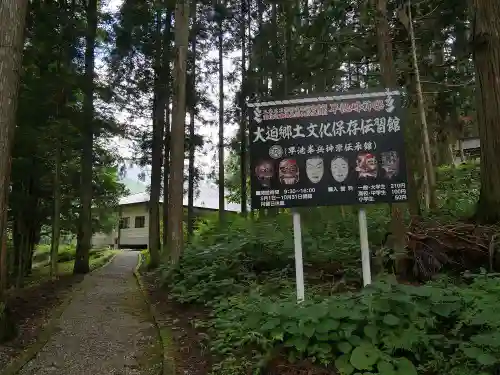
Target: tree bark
{"points": [[243, 119], [486, 55], [175, 222], [157, 146], [167, 38], [221, 118], [431, 174], [54, 242], [389, 79], [12, 20], [190, 210], [84, 240]]}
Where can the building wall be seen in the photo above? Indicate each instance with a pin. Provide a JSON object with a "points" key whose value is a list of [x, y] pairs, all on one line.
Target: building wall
{"points": [[132, 236]]}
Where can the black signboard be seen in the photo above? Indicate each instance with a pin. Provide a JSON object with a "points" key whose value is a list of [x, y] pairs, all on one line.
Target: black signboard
{"points": [[334, 150]]}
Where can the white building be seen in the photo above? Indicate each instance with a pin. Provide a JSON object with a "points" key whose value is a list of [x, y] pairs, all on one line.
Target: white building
{"points": [[133, 211]]}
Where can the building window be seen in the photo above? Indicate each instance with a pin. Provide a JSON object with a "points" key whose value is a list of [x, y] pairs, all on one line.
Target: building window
{"points": [[124, 223], [140, 221]]}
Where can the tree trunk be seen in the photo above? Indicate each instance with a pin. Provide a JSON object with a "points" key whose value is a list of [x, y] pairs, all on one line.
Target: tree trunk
{"points": [[167, 38], [175, 229], [12, 20], [54, 242], [156, 152], [221, 119], [486, 54], [462, 153], [84, 240], [431, 174], [243, 119], [4, 269], [190, 210], [389, 80]]}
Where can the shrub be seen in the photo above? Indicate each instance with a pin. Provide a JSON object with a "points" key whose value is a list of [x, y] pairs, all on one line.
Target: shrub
{"points": [[225, 262], [385, 329]]}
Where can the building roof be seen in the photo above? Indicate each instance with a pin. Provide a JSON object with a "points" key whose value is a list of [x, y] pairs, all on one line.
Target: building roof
{"points": [[207, 198]]}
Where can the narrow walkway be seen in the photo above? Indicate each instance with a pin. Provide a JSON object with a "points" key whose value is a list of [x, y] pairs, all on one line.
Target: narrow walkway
{"points": [[105, 330]]}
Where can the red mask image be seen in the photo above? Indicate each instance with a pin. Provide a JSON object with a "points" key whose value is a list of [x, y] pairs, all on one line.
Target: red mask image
{"points": [[366, 166], [264, 172], [288, 172]]}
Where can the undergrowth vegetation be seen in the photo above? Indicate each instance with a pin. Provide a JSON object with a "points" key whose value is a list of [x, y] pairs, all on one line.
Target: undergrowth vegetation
{"points": [[245, 273]]}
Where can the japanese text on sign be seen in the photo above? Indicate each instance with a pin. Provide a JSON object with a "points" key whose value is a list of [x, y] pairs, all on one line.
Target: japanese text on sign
{"points": [[345, 149]]}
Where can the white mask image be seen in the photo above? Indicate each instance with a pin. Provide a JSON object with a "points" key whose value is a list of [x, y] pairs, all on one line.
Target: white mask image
{"points": [[340, 169], [315, 169]]}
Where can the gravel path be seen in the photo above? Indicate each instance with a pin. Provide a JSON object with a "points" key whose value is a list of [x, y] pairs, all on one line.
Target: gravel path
{"points": [[106, 329]]}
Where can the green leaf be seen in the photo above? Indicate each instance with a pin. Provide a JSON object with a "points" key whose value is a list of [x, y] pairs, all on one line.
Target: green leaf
{"points": [[277, 335], [343, 366], [327, 325], [355, 340], [270, 324], [486, 359], [308, 330], [347, 329], [385, 368], [487, 339], [339, 312], [344, 347], [371, 331], [391, 320], [364, 357], [445, 309], [299, 343], [472, 351], [405, 367]]}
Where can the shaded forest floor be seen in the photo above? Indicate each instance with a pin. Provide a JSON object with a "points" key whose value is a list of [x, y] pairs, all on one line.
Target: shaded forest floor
{"points": [[31, 309]]}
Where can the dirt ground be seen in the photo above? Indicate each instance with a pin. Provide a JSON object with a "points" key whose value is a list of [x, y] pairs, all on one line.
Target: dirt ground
{"points": [[31, 308]]}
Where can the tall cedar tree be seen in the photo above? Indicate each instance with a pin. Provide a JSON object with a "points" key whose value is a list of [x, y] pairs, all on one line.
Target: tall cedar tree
{"points": [[389, 79], [167, 48], [192, 147], [243, 118], [486, 52], [220, 14], [84, 241], [12, 20], [157, 144], [175, 222]]}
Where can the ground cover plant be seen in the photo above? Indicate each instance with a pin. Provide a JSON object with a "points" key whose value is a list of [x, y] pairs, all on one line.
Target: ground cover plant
{"points": [[438, 318]]}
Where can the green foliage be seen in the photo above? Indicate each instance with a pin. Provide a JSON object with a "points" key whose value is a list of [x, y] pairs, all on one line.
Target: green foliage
{"points": [[385, 329], [458, 190], [66, 253], [245, 272], [219, 262]]}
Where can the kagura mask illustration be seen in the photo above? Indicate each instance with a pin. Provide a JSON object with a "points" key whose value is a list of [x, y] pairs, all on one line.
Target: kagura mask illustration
{"points": [[315, 169], [288, 172], [366, 165], [390, 163], [340, 169], [264, 172]]}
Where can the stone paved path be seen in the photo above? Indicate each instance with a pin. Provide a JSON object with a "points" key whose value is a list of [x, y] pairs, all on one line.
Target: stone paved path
{"points": [[105, 330]]}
